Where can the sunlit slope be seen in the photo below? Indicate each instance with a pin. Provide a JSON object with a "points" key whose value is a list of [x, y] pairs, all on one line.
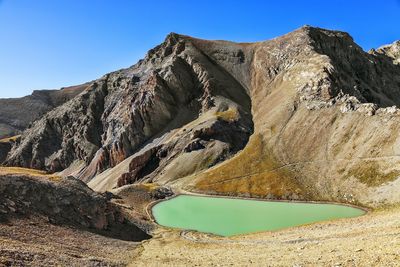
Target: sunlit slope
{"points": [[312, 138]]}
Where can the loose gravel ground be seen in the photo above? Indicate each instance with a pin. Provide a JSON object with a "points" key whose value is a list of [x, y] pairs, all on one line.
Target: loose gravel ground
{"points": [[34, 242], [370, 240]]}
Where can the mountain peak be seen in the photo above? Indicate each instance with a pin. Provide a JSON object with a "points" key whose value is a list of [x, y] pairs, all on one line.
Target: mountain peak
{"points": [[173, 36], [391, 50]]}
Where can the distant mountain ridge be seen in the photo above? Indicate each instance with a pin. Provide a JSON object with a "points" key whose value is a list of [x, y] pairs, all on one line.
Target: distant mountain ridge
{"points": [[17, 113]]}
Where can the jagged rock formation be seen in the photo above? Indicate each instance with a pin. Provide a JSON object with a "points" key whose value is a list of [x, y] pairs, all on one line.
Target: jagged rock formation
{"points": [[322, 115], [17, 113]]}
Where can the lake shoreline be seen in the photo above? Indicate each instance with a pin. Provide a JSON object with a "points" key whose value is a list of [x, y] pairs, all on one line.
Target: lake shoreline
{"points": [[150, 206]]}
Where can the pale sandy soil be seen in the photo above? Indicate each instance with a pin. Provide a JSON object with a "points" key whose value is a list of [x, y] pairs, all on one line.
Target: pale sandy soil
{"points": [[370, 240], [34, 242]]}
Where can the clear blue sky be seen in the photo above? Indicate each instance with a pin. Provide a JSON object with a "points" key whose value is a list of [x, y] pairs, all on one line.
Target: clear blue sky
{"points": [[53, 43]]}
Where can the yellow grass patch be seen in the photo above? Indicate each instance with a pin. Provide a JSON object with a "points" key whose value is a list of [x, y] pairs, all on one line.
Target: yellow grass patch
{"points": [[369, 173], [149, 186], [229, 115], [253, 171], [10, 139], [30, 172]]}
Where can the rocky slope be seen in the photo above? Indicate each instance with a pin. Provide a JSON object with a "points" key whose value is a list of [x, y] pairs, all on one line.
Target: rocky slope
{"points": [[65, 201], [308, 115], [323, 126], [17, 113], [54, 221], [176, 85], [391, 50]]}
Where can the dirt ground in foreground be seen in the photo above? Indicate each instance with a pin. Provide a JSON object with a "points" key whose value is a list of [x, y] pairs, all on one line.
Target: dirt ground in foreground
{"points": [[35, 242], [370, 240]]}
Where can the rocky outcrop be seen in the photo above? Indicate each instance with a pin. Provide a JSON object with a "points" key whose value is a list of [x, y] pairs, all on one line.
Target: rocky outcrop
{"points": [[391, 50], [344, 68], [16, 114], [68, 201]]}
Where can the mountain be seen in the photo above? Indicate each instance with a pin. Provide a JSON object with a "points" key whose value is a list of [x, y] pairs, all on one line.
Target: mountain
{"points": [[153, 100], [391, 50], [308, 115], [17, 113]]}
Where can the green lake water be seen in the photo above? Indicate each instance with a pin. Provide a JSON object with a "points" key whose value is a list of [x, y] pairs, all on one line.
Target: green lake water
{"points": [[227, 216]]}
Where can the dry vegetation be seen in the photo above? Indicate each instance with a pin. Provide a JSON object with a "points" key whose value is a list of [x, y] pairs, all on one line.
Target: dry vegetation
{"points": [[148, 187], [30, 172], [369, 173], [254, 172], [10, 139], [229, 115]]}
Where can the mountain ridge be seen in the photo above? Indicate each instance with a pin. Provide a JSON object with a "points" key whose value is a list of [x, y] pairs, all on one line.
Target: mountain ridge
{"points": [[192, 109], [18, 113]]}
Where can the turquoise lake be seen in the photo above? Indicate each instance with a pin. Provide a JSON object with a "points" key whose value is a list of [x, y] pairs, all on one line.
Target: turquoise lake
{"points": [[228, 216]]}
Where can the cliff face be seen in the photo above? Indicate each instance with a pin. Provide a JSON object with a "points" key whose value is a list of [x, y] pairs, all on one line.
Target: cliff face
{"points": [[307, 115], [17, 113]]}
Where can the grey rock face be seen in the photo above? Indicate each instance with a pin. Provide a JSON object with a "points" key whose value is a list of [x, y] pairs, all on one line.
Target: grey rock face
{"points": [[369, 77]]}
